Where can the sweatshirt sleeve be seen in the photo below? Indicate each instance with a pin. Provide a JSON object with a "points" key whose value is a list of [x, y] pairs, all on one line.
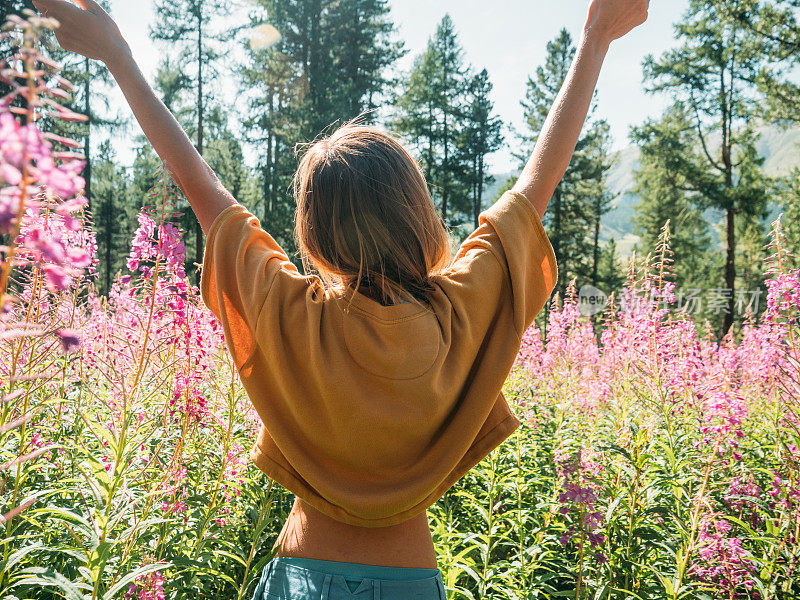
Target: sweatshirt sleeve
{"points": [[242, 264], [512, 231]]}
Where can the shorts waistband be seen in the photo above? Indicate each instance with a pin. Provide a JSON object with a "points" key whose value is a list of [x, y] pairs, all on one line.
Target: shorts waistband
{"points": [[281, 580], [358, 570]]}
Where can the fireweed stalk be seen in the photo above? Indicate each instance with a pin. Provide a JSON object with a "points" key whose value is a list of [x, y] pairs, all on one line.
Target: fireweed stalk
{"points": [[579, 498], [175, 345], [783, 308], [146, 249], [40, 203]]}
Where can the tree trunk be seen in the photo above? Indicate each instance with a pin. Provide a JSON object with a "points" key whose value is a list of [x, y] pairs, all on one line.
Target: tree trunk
{"points": [[268, 181], [730, 267], [730, 212], [108, 225], [474, 194], [198, 232], [314, 66], [596, 248], [445, 171], [355, 102], [267, 189], [480, 188], [87, 110], [430, 167]]}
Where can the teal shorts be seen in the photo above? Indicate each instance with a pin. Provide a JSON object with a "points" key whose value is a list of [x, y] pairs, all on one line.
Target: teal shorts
{"points": [[287, 578]]}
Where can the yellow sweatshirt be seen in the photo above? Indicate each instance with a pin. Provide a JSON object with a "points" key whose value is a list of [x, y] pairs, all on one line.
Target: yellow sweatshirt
{"points": [[371, 413]]}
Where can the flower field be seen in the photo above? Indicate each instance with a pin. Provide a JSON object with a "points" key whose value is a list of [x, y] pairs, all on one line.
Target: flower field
{"points": [[654, 461]]}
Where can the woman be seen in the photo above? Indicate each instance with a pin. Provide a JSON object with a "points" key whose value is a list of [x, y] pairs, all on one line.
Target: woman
{"points": [[378, 381]]}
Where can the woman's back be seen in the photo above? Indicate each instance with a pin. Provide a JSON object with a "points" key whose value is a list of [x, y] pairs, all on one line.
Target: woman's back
{"points": [[309, 533], [371, 412]]}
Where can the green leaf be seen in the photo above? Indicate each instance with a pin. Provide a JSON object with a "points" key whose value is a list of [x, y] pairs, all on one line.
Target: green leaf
{"points": [[626, 592], [46, 577], [20, 554], [101, 432]]}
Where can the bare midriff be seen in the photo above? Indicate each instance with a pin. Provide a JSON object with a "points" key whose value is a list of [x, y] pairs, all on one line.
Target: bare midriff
{"points": [[309, 533]]}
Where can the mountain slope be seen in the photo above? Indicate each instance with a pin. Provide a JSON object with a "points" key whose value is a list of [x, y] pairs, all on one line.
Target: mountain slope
{"points": [[780, 148]]}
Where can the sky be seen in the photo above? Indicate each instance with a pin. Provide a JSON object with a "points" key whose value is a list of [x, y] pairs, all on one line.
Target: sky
{"points": [[507, 37]]}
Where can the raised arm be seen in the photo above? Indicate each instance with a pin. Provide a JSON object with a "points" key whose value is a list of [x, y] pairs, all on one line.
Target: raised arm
{"points": [[607, 21], [89, 31]]}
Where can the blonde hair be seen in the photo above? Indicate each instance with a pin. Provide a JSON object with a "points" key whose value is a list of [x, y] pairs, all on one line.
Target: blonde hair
{"points": [[365, 217]]}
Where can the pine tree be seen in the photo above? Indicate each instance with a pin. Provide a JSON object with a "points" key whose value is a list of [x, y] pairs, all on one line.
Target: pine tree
{"points": [[751, 255], [273, 85], [329, 66], [363, 47], [665, 195], [142, 174], [303, 28], [610, 273], [90, 79], [339, 50], [775, 29], [225, 155], [14, 7], [430, 112], [790, 197], [481, 135], [8, 8], [711, 73], [451, 81], [114, 217], [417, 113], [171, 83], [593, 160], [184, 24]]}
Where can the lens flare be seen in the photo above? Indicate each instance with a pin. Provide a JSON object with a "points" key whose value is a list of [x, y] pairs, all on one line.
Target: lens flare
{"points": [[264, 36]]}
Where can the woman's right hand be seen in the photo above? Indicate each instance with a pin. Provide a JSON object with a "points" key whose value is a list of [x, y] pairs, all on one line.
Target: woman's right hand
{"points": [[87, 30], [612, 19], [607, 21]]}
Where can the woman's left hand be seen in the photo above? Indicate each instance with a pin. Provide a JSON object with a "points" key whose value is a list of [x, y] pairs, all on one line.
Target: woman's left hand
{"points": [[86, 29]]}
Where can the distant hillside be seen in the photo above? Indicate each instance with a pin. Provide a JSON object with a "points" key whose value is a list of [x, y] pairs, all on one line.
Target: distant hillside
{"points": [[492, 191], [780, 149]]}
